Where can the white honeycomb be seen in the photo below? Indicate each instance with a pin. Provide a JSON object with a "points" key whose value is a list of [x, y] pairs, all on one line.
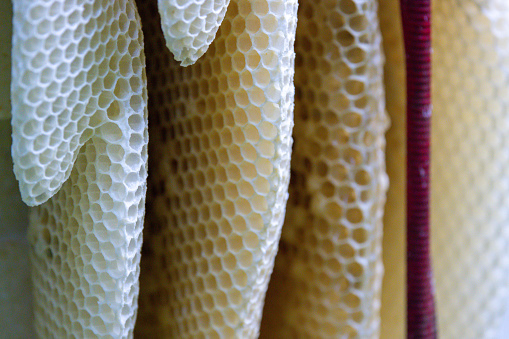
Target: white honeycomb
{"points": [[16, 316], [393, 307], [328, 272], [470, 219], [220, 164], [189, 26], [80, 140], [5, 58], [76, 67]]}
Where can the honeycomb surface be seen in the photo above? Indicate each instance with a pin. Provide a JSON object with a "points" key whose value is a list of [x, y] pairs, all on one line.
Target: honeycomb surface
{"points": [[393, 307], [189, 26], [327, 277], [5, 58], [79, 98], [16, 316], [220, 165], [77, 73], [470, 167]]}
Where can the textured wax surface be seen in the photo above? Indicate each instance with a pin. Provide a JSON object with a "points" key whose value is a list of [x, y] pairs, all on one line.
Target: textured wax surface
{"points": [[393, 307], [220, 166], [189, 26], [16, 316], [5, 58], [471, 167], [328, 272], [78, 80], [76, 72]]}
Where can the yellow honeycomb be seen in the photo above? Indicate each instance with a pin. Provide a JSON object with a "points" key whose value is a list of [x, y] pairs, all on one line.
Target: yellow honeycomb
{"points": [[80, 148], [470, 167], [220, 164], [190, 26], [327, 277]]}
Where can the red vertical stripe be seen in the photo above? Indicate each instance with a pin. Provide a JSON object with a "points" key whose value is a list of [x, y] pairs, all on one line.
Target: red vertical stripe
{"points": [[416, 15]]}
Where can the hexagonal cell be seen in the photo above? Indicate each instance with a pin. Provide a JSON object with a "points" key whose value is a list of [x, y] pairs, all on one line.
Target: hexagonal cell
{"points": [[331, 240], [80, 134], [235, 175]]}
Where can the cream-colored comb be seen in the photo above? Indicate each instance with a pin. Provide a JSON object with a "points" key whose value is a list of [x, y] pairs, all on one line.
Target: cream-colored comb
{"points": [[190, 26], [470, 173], [220, 150], [80, 149], [328, 272]]}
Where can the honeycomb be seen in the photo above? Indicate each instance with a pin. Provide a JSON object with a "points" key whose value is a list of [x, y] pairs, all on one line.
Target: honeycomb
{"points": [[190, 26], [16, 319], [80, 140], [393, 307], [5, 58], [470, 167], [78, 73], [327, 277], [220, 165]]}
